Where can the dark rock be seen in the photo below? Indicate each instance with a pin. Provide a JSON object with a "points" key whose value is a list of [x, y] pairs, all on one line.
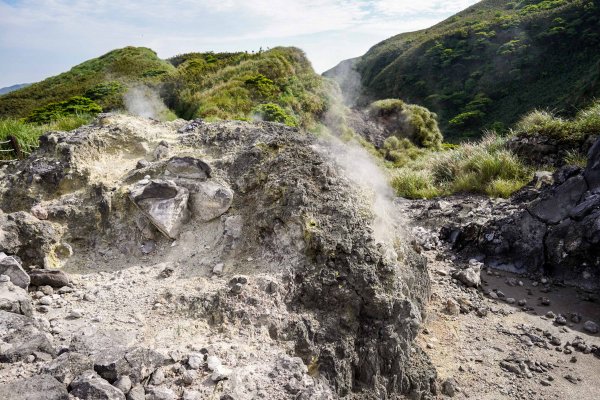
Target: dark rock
{"points": [[592, 171], [39, 387], [90, 386], [50, 277], [21, 337], [555, 206]]}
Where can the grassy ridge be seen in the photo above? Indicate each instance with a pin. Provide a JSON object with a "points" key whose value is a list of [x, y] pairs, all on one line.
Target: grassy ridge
{"points": [[102, 79], [492, 63]]}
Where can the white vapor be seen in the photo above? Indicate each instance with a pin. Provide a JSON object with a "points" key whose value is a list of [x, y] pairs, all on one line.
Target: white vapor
{"points": [[144, 102]]}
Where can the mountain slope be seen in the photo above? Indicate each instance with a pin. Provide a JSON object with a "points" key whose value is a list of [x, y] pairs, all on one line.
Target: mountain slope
{"points": [[491, 63], [102, 79], [12, 88]]}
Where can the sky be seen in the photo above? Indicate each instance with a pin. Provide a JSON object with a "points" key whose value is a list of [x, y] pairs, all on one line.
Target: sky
{"points": [[42, 38]]}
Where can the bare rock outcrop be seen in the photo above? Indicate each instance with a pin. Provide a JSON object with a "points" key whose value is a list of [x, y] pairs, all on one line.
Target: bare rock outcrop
{"points": [[347, 305]]}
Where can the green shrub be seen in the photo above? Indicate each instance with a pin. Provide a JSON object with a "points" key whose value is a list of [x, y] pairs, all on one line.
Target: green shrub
{"points": [[74, 106], [273, 113], [386, 107], [410, 121], [424, 126], [104, 89]]}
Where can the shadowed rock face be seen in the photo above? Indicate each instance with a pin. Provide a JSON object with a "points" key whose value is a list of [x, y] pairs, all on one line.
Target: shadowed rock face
{"points": [[355, 305], [555, 229]]}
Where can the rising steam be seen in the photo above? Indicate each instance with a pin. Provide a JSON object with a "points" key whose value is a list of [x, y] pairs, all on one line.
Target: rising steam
{"points": [[145, 102], [356, 162]]}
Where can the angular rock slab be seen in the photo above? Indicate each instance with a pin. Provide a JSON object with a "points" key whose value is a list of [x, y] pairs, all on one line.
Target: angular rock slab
{"points": [[592, 171], [188, 168], [164, 203], [12, 268], [210, 200], [21, 336], [14, 299], [41, 387], [90, 386]]}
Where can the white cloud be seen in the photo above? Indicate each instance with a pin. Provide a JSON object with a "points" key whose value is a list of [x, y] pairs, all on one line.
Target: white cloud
{"points": [[329, 30]]}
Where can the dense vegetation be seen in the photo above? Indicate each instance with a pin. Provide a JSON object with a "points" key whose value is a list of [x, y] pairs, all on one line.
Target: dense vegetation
{"points": [[490, 64], [276, 85]]}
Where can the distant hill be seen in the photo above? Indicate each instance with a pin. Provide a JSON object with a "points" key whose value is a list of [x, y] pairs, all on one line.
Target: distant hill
{"points": [[12, 88], [279, 84], [491, 63]]}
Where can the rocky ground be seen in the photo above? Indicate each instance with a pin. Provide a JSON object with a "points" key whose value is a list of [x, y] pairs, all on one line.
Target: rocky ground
{"points": [[147, 260], [516, 336], [187, 260]]}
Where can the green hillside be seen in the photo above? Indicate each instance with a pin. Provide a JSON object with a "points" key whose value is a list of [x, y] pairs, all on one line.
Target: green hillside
{"points": [[278, 85], [490, 64], [102, 79]]}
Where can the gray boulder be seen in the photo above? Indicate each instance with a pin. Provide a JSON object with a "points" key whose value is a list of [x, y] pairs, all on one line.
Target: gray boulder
{"points": [[68, 365], [188, 168], [164, 203], [592, 171], [11, 267], [470, 276], [49, 277], [90, 386], [40, 387], [21, 336], [14, 299], [210, 200]]}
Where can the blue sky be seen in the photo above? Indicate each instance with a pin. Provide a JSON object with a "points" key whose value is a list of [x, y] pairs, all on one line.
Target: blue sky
{"points": [[41, 38]]}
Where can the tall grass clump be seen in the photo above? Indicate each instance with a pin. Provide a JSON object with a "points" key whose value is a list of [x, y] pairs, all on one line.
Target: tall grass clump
{"points": [[483, 167], [546, 123], [27, 134]]}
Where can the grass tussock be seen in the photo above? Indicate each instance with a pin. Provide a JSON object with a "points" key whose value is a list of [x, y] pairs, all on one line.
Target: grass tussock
{"points": [[484, 167], [27, 134], [545, 123]]}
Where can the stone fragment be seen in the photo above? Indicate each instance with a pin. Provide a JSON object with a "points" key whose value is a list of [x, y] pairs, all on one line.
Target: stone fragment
{"points": [[14, 299], [10, 267], [210, 200], [68, 365], [188, 168], [123, 384], [590, 327], [164, 203]]}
